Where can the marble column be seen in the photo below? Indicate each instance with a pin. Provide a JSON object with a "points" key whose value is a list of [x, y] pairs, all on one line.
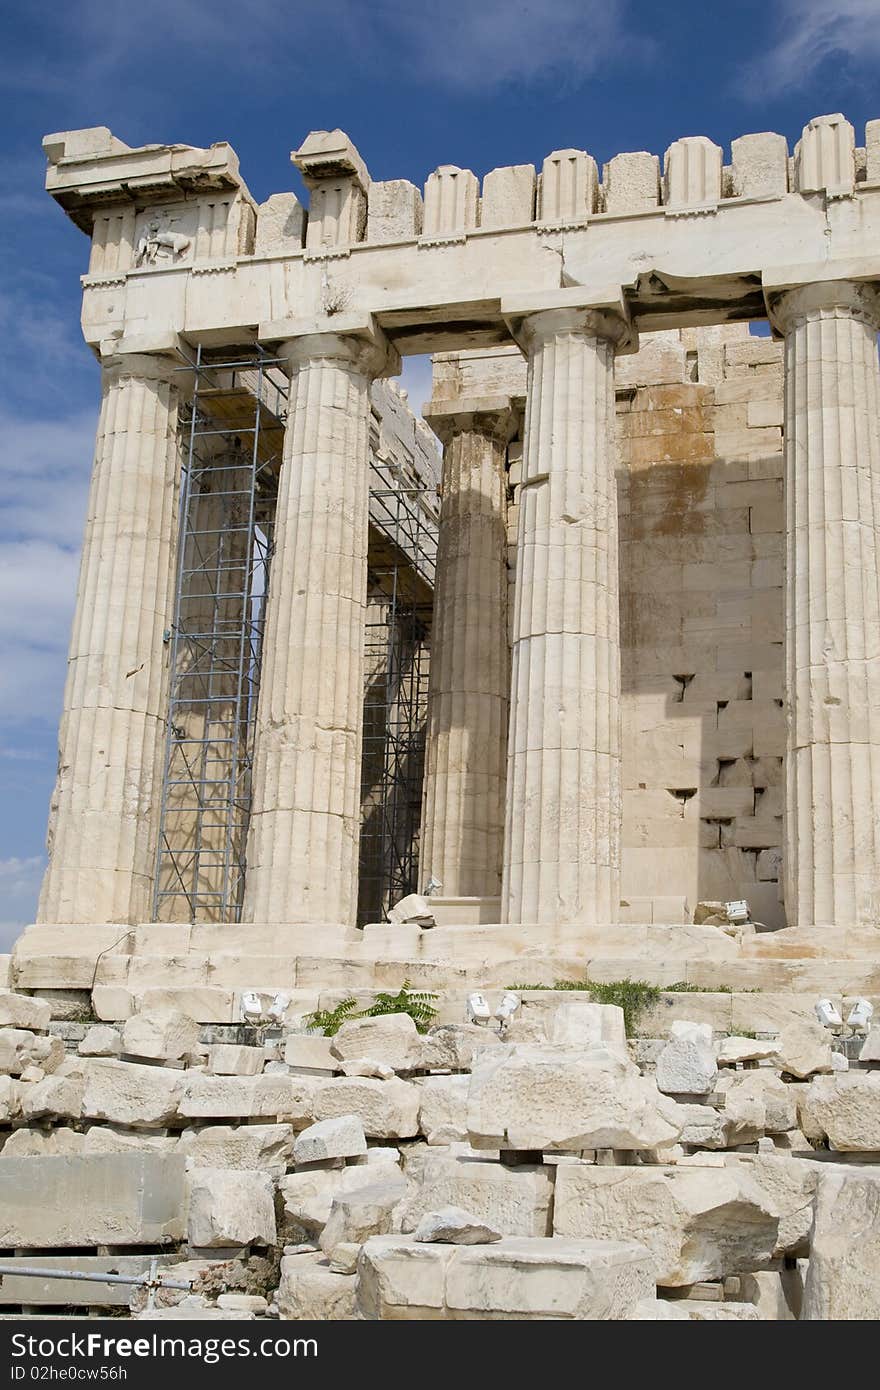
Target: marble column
{"points": [[305, 816], [104, 814], [832, 625], [562, 824], [463, 806]]}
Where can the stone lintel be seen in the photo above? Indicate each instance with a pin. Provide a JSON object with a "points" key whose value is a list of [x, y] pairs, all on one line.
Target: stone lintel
{"points": [[607, 301]]}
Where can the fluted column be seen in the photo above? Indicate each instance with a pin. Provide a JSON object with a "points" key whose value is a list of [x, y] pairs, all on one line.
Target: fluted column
{"points": [[305, 817], [562, 827], [832, 628], [463, 807], [104, 815]]}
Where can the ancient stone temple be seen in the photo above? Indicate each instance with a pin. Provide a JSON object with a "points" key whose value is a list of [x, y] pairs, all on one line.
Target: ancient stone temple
{"points": [[464, 884], [648, 687]]}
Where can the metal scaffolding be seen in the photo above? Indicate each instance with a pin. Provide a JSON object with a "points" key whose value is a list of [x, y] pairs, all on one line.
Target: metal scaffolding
{"points": [[397, 631], [233, 427]]}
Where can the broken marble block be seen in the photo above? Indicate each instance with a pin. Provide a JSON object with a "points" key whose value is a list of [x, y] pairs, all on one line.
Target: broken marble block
{"points": [[101, 1041], [272, 1096], [368, 1211], [309, 1290], [803, 1048], [789, 1188], [686, 1065], [160, 1034], [126, 1093], [699, 1223], [230, 1208], [20, 1048], [239, 1146], [846, 1108], [387, 1109], [454, 1226], [734, 1049], [514, 1201], [511, 1279], [342, 1137], [390, 1038], [443, 1111], [92, 1199], [842, 1283], [23, 1011], [566, 1099], [55, 1097], [870, 1049], [234, 1059]]}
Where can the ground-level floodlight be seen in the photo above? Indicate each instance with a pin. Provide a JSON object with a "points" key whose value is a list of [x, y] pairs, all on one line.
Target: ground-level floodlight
{"points": [[477, 1009], [860, 1016], [432, 886], [828, 1014], [278, 1006], [737, 911], [508, 1007], [251, 1006]]}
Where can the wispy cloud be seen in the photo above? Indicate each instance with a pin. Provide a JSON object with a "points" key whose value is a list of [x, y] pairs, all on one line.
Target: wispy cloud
{"points": [[19, 886], [808, 34], [448, 43]]}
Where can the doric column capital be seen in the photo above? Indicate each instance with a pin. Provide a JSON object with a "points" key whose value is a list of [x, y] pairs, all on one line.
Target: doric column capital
{"points": [[494, 416], [857, 299], [533, 318], [162, 357], [353, 340]]}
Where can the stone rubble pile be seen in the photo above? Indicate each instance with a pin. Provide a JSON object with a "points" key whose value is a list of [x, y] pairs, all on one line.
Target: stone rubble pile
{"points": [[554, 1170]]}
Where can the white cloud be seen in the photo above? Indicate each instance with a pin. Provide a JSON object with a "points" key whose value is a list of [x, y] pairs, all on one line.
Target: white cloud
{"points": [[43, 487], [19, 886], [812, 31]]}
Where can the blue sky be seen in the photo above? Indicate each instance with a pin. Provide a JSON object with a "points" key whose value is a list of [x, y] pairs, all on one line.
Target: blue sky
{"points": [[479, 83]]}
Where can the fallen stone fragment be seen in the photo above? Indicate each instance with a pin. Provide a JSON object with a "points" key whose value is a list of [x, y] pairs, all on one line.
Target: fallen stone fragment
{"points": [[60, 1097], [454, 1226], [101, 1041], [443, 1109], [512, 1279], [228, 1208], [338, 1138], [365, 1066], [515, 1201], [699, 1223], [126, 1093], [23, 1011], [391, 1038], [842, 1283], [234, 1059], [686, 1066], [802, 1049], [846, 1108], [387, 1109], [160, 1034], [564, 1098], [270, 1096], [242, 1147], [732, 1050], [368, 1211], [310, 1291]]}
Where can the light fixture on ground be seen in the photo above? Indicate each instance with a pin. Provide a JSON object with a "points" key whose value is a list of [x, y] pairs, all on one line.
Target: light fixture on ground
{"points": [[828, 1014], [478, 1010]]}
